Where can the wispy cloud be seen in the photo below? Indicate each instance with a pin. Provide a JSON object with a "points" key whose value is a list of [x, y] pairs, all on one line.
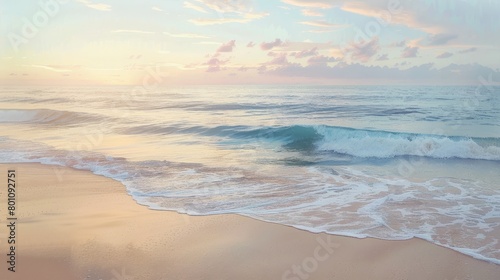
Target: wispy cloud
{"points": [[103, 69], [214, 21], [228, 6], [320, 31], [311, 13], [255, 15], [208, 43], [132, 31], [55, 68], [239, 11], [323, 4], [186, 35], [247, 17], [192, 6], [445, 55], [96, 6], [441, 39], [320, 23], [71, 68], [473, 49], [157, 9]]}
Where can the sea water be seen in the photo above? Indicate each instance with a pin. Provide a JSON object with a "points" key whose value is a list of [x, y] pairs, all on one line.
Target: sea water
{"points": [[390, 162]]}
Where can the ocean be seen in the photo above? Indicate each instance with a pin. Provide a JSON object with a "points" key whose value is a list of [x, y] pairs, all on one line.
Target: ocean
{"points": [[389, 162]]}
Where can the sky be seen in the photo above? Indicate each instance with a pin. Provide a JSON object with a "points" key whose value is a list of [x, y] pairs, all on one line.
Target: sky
{"points": [[117, 42]]}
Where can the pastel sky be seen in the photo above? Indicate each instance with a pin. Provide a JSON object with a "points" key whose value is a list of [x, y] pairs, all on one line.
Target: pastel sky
{"points": [[117, 42]]}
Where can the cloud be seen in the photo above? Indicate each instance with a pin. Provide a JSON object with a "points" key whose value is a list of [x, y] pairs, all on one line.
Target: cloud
{"points": [[409, 52], [241, 11], [280, 59], [323, 4], [311, 13], [95, 6], [157, 9], [363, 52], [440, 39], [250, 45], [114, 69], [301, 45], [320, 31], [269, 45], [215, 64], [464, 19], [228, 6], [321, 60], [306, 53], [424, 74], [433, 17], [473, 49], [227, 47], [445, 55], [192, 6], [208, 43], [218, 21], [132, 31], [186, 35], [467, 20], [398, 44], [320, 23], [56, 68], [383, 57], [255, 15], [245, 19]]}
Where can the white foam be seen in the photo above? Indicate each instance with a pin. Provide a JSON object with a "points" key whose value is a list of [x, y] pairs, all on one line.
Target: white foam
{"points": [[378, 144], [348, 202]]}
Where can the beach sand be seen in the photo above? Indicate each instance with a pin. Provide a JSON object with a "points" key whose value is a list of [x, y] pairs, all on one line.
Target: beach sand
{"points": [[76, 225]]}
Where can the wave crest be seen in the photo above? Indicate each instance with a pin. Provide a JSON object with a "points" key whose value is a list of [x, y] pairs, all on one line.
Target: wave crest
{"points": [[43, 116], [382, 144]]}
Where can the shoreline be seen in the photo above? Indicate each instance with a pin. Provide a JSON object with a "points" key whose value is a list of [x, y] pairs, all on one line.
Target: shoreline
{"points": [[76, 224]]}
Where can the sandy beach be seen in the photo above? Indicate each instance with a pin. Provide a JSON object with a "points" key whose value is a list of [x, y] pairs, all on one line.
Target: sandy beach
{"points": [[76, 225]]}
